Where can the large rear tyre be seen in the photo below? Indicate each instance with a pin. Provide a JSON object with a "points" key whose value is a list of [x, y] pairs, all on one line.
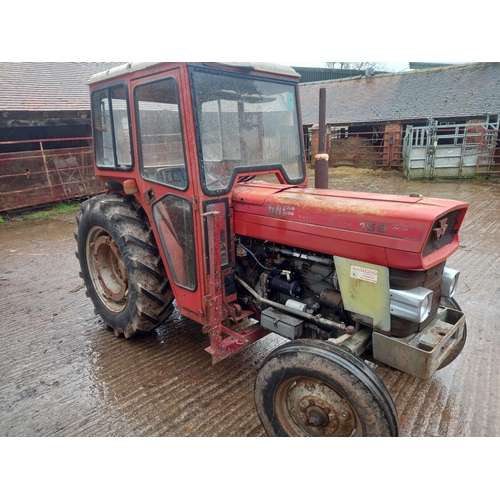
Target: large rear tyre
{"points": [[458, 348], [314, 388], [121, 265]]}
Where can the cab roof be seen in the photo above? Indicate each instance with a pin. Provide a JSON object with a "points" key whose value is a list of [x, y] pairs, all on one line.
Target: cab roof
{"points": [[135, 66]]}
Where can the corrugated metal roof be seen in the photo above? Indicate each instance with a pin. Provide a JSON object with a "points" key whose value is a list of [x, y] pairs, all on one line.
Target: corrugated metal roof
{"points": [[47, 86], [322, 74], [454, 91], [427, 65]]}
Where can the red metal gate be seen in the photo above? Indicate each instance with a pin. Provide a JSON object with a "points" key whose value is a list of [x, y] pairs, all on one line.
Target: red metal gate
{"points": [[488, 160], [375, 149]]}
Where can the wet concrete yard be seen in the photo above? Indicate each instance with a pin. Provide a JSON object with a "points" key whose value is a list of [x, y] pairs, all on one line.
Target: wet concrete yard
{"points": [[63, 374]]}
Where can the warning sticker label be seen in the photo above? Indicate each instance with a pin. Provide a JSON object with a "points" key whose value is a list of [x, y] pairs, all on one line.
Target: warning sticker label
{"points": [[364, 274]]}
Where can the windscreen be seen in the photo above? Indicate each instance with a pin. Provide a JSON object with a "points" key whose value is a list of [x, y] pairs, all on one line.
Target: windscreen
{"points": [[245, 124]]}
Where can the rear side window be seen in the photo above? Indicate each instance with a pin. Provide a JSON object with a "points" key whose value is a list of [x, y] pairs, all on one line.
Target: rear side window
{"points": [[110, 121]]}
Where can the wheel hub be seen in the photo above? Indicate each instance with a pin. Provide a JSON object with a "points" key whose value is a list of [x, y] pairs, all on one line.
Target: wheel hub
{"points": [[317, 417], [313, 408], [110, 268]]}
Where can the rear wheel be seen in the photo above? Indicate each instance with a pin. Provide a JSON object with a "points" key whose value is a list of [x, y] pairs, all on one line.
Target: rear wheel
{"points": [[458, 348], [314, 388], [121, 265]]}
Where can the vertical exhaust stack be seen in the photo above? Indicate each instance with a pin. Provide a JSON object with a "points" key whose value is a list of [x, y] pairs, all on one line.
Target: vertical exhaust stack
{"points": [[321, 159]]}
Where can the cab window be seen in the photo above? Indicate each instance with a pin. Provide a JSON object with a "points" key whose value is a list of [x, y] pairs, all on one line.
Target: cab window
{"points": [[110, 121], [174, 220], [160, 141]]}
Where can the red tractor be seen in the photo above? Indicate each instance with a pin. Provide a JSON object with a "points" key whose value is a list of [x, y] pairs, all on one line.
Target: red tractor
{"points": [[207, 203]]}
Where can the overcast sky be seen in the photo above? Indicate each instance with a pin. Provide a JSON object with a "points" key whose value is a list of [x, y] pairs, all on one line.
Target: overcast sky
{"points": [[391, 66]]}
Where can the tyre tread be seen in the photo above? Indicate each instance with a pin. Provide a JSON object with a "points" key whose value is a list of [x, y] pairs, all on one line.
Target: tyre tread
{"points": [[320, 357], [152, 297]]}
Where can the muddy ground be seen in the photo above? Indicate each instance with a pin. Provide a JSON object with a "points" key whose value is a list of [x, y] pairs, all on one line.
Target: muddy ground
{"points": [[63, 374]]}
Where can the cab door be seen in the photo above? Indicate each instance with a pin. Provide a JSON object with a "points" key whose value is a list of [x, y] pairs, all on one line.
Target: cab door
{"points": [[162, 134]]}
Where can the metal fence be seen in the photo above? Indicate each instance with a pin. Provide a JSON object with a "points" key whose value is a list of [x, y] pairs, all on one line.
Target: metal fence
{"points": [[452, 150], [375, 149], [43, 176], [431, 151]]}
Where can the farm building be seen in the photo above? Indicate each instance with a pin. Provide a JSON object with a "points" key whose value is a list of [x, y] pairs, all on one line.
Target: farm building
{"points": [[437, 122], [432, 122], [45, 137]]}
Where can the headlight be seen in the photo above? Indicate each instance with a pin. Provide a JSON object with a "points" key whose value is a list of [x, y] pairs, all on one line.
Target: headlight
{"points": [[425, 308], [449, 282], [413, 305]]}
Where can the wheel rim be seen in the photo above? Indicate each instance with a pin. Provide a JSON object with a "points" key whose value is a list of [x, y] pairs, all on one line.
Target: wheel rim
{"points": [[107, 269], [309, 407]]}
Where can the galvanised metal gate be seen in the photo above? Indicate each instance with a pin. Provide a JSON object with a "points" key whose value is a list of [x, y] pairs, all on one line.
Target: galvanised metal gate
{"points": [[451, 150]]}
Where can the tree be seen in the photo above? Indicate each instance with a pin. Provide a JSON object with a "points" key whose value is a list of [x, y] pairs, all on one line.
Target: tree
{"points": [[377, 66]]}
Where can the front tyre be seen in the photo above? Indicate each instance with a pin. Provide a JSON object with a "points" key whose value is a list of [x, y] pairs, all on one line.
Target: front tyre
{"points": [[121, 266], [314, 388]]}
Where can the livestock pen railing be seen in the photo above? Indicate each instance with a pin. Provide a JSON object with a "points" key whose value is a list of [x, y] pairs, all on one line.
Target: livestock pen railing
{"points": [[452, 150], [373, 149], [44, 175], [368, 149]]}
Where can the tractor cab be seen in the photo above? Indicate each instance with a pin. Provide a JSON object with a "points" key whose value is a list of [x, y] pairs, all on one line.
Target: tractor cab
{"points": [[198, 126], [179, 137]]}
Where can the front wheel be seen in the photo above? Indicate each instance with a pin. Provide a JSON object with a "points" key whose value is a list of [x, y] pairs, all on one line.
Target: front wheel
{"points": [[314, 388], [121, 266]]}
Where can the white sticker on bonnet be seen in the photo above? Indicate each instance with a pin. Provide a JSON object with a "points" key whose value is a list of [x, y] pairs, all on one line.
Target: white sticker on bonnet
{"points": [[364, 274]]}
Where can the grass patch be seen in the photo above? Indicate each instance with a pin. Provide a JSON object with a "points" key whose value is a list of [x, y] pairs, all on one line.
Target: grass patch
{"points": [[60, 208]]}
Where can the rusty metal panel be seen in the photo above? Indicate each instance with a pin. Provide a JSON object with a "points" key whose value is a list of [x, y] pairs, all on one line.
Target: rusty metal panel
{"points": [[32, 178], [374, 149]]}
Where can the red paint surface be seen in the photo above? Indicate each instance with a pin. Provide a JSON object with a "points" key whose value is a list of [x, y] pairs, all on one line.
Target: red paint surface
{"points": [[388, 230]]}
